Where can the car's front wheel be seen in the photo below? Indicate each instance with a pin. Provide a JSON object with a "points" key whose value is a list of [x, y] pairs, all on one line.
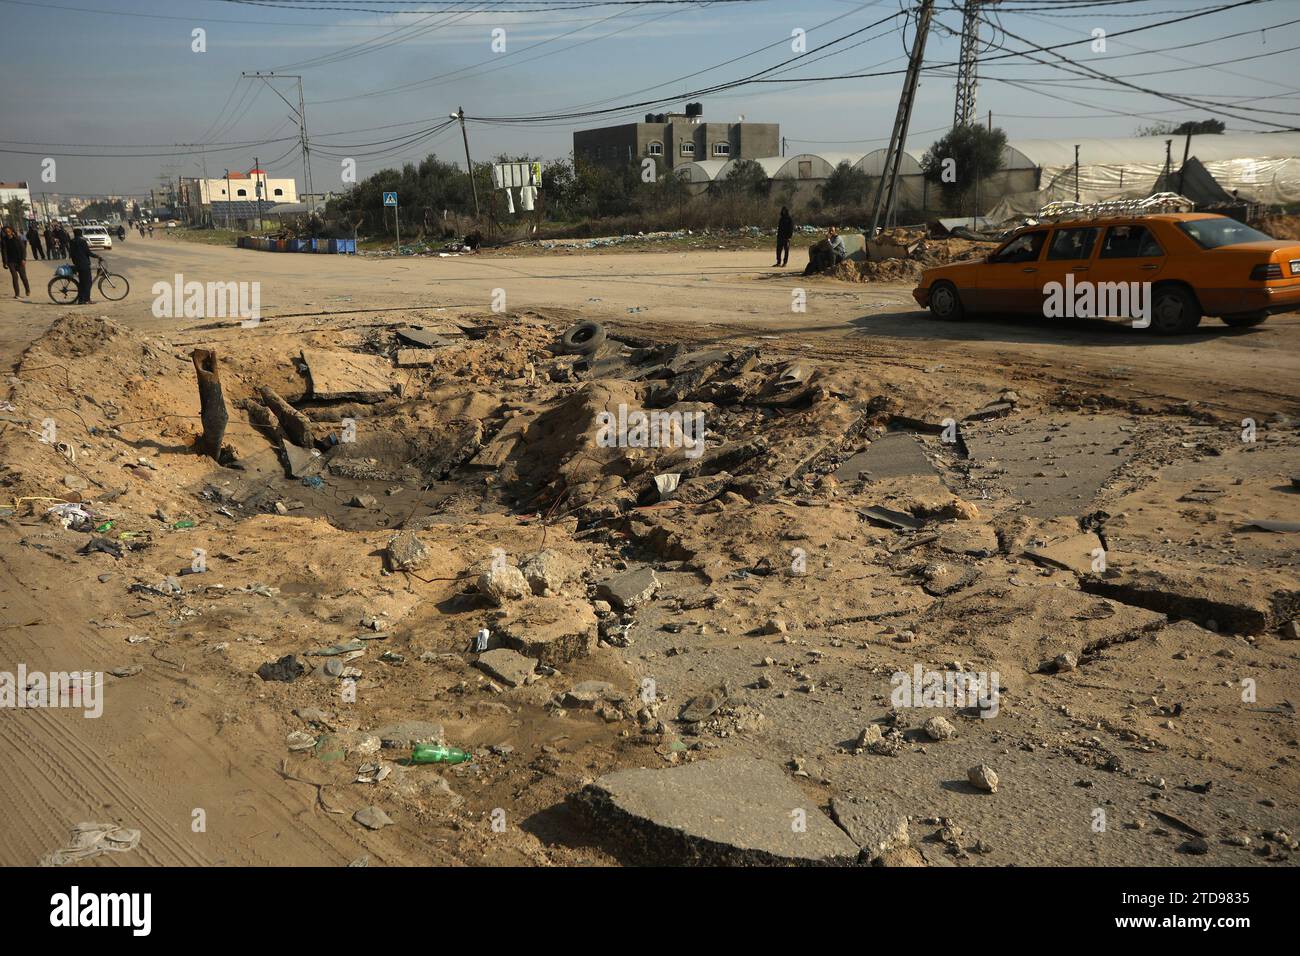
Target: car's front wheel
{"points": [[1174, 311], [945, 303]]}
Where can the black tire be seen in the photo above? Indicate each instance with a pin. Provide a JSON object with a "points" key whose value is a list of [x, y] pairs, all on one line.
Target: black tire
{"points": [[585, 338], [945, 302], [113, 287], [63, 290], [1174, 311], [1244, 320]]}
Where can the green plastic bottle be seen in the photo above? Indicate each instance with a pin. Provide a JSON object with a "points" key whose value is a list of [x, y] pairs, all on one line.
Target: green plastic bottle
{"points": [[437, 753]]}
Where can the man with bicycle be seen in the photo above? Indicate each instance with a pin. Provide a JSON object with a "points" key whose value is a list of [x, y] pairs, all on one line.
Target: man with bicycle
{"points": [[79, 252]]}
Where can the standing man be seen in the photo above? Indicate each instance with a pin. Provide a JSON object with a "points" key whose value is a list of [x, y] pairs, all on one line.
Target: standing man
{"points": [[81, 256], [34, 237], [49, 242], [784, 232], [14, 255]]}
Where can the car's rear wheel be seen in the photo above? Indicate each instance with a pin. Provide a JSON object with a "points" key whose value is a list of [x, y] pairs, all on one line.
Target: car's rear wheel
{"points": [[945, 302], [1244, 320], [1174, 311]]}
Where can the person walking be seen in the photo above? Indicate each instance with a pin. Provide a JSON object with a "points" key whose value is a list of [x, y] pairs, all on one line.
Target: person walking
{"points": [[49, 242], [34, 239], [81, 256], [121, 232], [13, 253], [61, 241], [784, 232]]}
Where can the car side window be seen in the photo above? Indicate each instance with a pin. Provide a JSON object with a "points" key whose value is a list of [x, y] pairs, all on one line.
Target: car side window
{"points": [[1072, 243], [1024, 248], [1129, 242]]}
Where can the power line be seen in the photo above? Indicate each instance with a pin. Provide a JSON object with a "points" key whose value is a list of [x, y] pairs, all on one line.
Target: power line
{"points": [[1084, 70]]}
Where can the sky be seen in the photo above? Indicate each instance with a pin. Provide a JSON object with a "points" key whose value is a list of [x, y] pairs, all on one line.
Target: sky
{"points": [[117, 93]]}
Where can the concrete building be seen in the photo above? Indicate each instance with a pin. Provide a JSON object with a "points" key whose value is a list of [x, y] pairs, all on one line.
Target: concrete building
{"points": [[198, 195], [676, 139], [15, 190]]}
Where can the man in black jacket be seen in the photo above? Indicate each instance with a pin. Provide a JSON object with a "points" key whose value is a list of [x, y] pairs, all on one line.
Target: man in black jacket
{"points": [[13, 252], [81, 255], [784, 232], [34, 237]]}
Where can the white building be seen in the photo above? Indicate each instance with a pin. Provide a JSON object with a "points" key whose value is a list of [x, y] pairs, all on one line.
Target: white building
{"points": [[238, 187], [16, 190]]}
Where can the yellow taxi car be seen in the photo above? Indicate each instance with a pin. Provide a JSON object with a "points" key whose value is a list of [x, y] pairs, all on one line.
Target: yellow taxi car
{"points": [[1177, 267]]}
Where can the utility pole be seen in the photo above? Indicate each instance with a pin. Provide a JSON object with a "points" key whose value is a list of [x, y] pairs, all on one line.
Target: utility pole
{"points": [[1187, 148], [964, 113], [257, 188], [885, 199], [1076, 172], [469, 165], [228, 199], [300, 112]]}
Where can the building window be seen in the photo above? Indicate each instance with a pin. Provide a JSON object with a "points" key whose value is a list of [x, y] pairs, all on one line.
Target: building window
{"points": [[656, 149], [688, 149], [241, 192], [279, 192], [721, 149]]}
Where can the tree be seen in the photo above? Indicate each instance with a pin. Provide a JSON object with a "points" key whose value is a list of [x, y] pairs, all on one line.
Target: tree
{"points": [[745, 178], [845, 186], [15, 212], [957, 161], [1194, 127]]}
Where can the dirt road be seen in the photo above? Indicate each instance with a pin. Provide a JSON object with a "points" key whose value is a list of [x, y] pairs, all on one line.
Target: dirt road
{"points": [[191, 748]]}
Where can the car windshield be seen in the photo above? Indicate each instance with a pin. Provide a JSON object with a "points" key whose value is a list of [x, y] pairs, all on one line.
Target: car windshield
{"points": [[1212, 233]]}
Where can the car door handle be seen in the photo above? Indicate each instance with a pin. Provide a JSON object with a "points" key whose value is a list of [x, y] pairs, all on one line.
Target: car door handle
{"points": [[1080, 269], [1029, 270], [1151, 266]]}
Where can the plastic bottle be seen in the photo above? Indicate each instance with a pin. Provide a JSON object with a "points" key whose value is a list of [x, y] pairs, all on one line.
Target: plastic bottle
{"points": [[437, 753]]}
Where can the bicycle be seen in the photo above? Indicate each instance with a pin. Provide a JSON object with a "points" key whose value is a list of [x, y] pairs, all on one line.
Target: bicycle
{"points": [[63, 287]]}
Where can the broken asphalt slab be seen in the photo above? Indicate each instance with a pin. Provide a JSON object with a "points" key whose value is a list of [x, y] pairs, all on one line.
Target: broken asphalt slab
{"points": [[1228, 599], [506, 665], [336, 376], [629, 589], [893, 456], [735, 811], [1055, 466], [1075, 553]]}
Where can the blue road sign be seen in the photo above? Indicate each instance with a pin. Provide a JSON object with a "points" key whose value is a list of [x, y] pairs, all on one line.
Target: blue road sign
{"points": [[390, 199]]}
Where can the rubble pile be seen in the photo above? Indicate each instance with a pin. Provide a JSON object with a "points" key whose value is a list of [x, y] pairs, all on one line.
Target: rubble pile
{"points": [[682, 587]]}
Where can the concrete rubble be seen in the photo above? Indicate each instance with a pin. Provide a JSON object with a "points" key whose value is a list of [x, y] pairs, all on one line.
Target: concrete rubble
{"points": [[798, 621]]}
